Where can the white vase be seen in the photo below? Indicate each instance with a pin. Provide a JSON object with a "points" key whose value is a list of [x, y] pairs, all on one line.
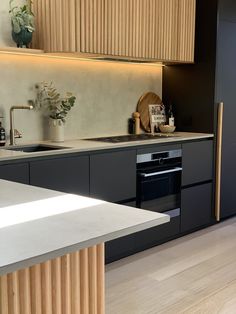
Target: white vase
{"points": [[56, 130]]}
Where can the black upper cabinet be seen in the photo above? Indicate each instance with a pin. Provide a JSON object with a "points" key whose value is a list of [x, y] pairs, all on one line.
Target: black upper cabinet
{"points": [[15, 172], [197, 162], [191, 88], [113, 176], [69, 174]]}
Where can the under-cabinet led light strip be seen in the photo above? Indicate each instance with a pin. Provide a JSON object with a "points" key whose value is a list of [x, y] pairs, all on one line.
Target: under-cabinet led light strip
{"points": [[49, 56]]}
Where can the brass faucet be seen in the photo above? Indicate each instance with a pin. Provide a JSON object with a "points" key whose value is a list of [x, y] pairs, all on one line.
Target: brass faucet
{"points": [[13, 132]]}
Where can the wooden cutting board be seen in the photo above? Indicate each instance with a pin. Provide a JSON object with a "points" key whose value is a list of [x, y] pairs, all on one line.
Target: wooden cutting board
{"points": [[145, 100]]}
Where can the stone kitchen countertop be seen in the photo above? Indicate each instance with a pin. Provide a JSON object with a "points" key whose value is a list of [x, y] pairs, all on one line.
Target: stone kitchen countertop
{"points": [[81, 145], [37, 224]]}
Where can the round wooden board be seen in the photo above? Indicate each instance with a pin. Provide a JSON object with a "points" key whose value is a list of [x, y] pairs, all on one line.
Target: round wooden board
{"points": [[145, 100]]}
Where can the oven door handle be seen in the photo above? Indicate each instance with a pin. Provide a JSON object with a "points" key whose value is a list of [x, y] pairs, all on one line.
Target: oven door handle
{"points": [[152, 174]]}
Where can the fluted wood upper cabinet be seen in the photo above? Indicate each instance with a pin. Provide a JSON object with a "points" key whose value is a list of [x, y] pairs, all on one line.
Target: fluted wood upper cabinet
{"points": [[145, 29]]}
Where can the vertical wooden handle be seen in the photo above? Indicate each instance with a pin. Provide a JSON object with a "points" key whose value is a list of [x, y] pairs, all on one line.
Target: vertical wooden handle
{"points": [[218, 160]]}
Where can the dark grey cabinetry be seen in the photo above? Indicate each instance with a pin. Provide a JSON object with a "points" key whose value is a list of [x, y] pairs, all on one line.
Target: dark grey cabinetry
{"points": [[113, 176], [157, 235], [15, 172], [119, 248], [197, 162], [196, 207], [226, 78], [196, 194], [69, 174], [206, 83]]}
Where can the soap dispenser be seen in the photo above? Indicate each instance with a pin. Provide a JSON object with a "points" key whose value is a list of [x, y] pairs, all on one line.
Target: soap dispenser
{"points": [[2, 135]]}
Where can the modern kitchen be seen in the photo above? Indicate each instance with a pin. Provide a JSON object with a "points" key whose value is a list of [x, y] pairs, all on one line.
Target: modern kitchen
{"points": [[117, 152]]}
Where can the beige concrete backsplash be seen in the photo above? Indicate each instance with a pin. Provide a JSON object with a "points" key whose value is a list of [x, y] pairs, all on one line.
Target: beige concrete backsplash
{"points": [[107, 93]]}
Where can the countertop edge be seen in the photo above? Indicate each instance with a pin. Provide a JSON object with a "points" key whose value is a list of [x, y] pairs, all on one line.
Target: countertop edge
{"points": [[95, 146], [82, 245]]}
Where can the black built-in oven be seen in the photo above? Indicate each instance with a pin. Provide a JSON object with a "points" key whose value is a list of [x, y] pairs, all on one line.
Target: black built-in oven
{"points": [[159, 181], [158, 189]]}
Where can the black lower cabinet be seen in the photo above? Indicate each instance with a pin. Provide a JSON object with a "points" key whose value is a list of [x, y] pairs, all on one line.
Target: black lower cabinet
{"points": [[69, 174], [15, 172], [143, 240], [196, 207], [119, 248], [113, 176], [157, 235]]}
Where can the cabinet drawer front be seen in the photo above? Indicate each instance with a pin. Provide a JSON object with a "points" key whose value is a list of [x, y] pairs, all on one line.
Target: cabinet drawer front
{"points": [[196, 210], [197, 162], [113, 176]]}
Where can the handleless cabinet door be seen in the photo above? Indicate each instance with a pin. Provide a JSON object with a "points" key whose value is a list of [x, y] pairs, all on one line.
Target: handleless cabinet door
{"points": [[69, 174], [15, 172], [197, 162], [113, 176], [196, 207]]}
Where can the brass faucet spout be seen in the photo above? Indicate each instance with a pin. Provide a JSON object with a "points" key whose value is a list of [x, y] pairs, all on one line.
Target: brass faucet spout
{"points": [[13, 132]]}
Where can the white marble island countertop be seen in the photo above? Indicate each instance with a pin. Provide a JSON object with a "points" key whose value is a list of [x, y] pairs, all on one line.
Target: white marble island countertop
{"points": [[38, 224]]}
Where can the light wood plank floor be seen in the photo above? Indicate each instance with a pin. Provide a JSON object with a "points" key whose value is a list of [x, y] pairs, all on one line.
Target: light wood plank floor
{"points": [[194, 274]]}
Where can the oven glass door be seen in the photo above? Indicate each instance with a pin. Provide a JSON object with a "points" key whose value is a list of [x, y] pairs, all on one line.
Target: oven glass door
{"points": [[159, 190]]}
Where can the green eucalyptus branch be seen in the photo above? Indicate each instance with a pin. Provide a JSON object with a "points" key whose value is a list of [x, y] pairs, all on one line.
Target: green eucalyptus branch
{"points": [[49, 99], [21, 17]]}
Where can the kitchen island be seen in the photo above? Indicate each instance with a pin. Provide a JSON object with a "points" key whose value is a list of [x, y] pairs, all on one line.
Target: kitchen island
{"points": [[52, 248]]}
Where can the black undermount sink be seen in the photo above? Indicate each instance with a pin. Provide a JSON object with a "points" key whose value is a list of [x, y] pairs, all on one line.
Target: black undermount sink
{"points": [[35, 148]]}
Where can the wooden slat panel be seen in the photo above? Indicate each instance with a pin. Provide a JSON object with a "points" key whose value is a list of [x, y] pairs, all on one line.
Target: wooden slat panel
{"points": [[46, 273], [72, 25], [84, 282], [136, 29], [75, 283], [77, 25], [35, 41], [4, 295], [101, 278], [36, 290], [92, 254], [66, 284], [160, 29], [118, 28], [52, 23], [56, 286], [13, 293], [59, 26], [131, 15], [192, 23], [72, 284], [25, 291], [186, 30]]}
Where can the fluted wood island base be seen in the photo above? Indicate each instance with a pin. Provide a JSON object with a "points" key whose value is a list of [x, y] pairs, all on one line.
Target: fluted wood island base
{"points": [[72, 284]]}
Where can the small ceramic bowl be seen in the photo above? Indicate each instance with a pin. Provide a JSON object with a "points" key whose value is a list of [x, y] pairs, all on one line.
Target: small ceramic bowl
{"points": [[166, 128]]}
